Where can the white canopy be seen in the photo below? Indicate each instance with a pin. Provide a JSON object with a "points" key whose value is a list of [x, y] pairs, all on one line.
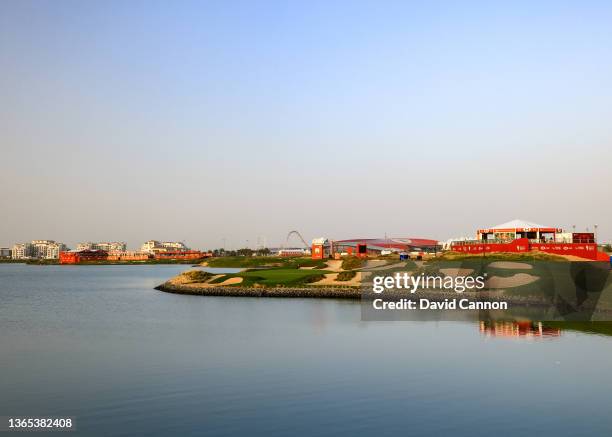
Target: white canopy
{"points": [[518, 224]]}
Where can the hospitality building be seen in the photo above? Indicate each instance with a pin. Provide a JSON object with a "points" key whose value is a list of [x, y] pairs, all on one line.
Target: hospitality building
{"points": [[522, 236]]}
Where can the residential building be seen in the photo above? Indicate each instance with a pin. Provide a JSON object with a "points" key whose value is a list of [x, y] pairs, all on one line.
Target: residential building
{"points": [[47, 249], [119, 246], [150, 246], [175, 246], [5, 252], [22, 251], [80, 247], [154, 246], [54, 249]]}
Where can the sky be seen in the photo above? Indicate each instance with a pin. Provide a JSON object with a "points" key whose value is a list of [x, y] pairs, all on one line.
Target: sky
{"points": [[240, 121]]}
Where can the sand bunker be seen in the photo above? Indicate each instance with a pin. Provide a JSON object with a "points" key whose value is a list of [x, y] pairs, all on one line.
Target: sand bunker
{"points": [[231, 281], [453, 271], [510, 265], [510, 282], [183, 280], [334, 265], [212, 278]]}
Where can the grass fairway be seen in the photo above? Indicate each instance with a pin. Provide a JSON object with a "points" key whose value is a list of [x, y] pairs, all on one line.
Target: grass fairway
{"points": [[283, 277], [264, 261]]}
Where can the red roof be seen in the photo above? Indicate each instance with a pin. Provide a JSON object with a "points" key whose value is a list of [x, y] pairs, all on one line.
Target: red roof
{"points": [[396, 243]]}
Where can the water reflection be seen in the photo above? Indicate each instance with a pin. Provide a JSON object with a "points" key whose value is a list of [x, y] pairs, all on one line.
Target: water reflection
{"points": [[100, 344], [525, 329]]}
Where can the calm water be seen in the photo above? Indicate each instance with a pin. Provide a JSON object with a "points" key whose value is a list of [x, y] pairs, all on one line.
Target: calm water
{"points": [[100, 344]]}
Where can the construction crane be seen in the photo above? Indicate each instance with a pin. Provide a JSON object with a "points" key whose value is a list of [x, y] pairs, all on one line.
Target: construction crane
{"points": [[299, 236]]}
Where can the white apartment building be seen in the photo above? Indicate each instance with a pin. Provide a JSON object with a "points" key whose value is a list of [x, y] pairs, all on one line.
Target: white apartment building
{"points": [[153, 246], [150, 246], [174, 245], [21, 251], [84, 246], [118, 246], [53, 250], [47, 249]]}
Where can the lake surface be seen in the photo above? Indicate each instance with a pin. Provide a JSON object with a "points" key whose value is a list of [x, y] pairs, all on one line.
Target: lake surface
{"points": [[98, 343]]}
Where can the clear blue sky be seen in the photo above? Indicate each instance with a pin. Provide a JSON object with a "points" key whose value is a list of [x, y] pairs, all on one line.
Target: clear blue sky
{"points": [[203, 120]]}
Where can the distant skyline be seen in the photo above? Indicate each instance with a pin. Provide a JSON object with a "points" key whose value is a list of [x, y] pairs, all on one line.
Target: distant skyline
{"points": [[199, 121]]}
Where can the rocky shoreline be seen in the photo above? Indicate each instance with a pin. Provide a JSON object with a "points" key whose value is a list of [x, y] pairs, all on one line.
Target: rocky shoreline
{"points": [[303, 292], [353, 293]]}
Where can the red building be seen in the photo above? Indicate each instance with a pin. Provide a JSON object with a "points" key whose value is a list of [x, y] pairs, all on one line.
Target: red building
{"points": [[375, 246], [519, 236], [182, 254], [320, 248], [364, 247], [128, 256], [82, 256]]}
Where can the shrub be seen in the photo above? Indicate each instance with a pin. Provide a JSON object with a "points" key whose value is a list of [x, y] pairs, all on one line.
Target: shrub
{"points": [[197, 276], [346, 276], [313, 278], [351, 262]]}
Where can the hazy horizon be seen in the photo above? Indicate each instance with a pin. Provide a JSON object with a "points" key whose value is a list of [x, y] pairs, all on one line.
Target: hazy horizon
{"points": [[198, 121]]}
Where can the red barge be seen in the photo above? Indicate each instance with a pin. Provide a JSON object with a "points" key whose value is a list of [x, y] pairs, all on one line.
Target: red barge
{"points": [[518, 236]]}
